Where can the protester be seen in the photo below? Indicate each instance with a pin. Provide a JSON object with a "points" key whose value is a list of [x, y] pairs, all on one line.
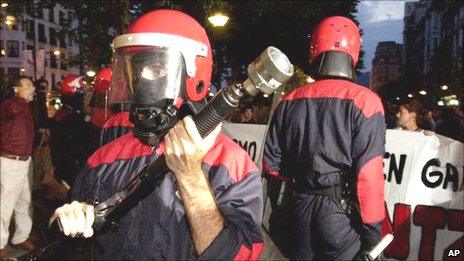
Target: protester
{"points": [[17, 135], [210, 205], [327, 139], [411, 114]]}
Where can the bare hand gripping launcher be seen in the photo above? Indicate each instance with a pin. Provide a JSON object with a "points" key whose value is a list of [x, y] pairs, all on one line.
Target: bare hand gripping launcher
{"points": [[265, 74]]}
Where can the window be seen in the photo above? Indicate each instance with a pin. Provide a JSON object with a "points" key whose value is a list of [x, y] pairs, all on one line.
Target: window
{"points": [[23, 46], [53, 63], [42, 37], [30, 29], [61, 17], [53, 79], [12, 48], [63, 42], [52, 36], [63, 64], [40, 10], [14, 72], [51, 14]]}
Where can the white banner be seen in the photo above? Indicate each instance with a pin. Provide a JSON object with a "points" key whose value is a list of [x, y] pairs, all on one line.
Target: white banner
{"points": [[40, 60], [28, 63], [424, 196], [423, 191], [249, 136]]}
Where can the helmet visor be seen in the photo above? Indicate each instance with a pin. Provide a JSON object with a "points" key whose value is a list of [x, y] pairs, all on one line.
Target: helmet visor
{"points": [[146, 75]]}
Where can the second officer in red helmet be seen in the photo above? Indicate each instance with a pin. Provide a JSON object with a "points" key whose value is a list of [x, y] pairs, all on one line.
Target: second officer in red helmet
{"points": [[326, 142]]}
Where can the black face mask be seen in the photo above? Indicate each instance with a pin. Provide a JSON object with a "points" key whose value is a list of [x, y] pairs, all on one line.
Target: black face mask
{"points": [[152, 116], [152, 122]]}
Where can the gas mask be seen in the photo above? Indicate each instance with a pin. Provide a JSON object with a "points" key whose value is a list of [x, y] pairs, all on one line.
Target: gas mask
{"points": [[151, 79]]}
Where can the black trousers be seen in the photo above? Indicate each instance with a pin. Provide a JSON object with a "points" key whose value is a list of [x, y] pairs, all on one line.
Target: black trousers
{"points": [[315, 228]]}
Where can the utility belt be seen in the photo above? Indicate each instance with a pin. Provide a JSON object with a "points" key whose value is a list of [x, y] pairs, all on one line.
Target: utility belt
{"points": [[283, 191]]}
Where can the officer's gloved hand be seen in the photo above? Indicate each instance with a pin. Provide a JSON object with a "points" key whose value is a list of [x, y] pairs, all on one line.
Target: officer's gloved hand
{"points": [[369, 239]]}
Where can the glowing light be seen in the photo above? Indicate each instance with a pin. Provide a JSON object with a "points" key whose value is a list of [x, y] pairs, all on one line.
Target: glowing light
{"points": [[397, 98], [211, 94], [410, 95], [265, 95], [56, 52], [218, 19], [453, 102], [9, 20], [3, 52], [90, 73], [444, 87], [441, 103], [283, 93], [23, 70], [4, 5], [423, 92]]}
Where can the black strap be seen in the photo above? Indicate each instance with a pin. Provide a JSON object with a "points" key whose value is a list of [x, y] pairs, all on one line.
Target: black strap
{"points": [[329, 191]]}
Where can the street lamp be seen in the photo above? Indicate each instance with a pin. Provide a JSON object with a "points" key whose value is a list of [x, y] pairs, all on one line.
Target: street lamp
{"points": [[4, 4], [423, 92], [56, 52], [397, 98], [218, 19], [10, 20], [410, 95], [90, 73], [444, 87]]}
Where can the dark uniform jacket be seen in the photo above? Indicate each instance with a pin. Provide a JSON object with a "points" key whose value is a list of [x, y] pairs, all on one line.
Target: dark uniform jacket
{"points": [[157, 229], [326, 129]]}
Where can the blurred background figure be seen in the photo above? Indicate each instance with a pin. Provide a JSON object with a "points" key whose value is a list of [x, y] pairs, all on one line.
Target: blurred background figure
{"points": [[42, 160], [449, 125], [248, 115], [390, 118], [71, 139]]}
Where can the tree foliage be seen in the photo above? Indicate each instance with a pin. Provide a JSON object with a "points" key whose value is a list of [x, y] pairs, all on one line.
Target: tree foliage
{"points": [[253, 26]]}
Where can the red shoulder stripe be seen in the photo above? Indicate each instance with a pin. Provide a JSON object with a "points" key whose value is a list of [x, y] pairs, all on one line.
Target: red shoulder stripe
{"points": [[229, 154], [120, 119], [125, 147], [366, 100]]}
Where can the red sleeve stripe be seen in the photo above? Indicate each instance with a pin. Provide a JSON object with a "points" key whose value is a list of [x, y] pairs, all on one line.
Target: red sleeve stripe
{"points": [[363, 98], [249, 254], [273, 173], [126, 147], [370, 191], [229, 154], [120, 119]]}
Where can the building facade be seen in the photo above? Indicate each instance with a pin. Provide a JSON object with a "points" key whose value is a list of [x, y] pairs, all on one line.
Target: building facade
{"points": [[40, 35], [387, 64], [433, 42]]}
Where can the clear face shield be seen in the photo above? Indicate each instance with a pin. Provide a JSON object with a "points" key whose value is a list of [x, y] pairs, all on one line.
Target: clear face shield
{"points": [[150, 79]]}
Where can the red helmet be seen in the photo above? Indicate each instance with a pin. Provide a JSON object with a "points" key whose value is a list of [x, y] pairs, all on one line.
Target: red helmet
{"points": [[71, 84], [102, 81], [336, 33], [163, 51]]}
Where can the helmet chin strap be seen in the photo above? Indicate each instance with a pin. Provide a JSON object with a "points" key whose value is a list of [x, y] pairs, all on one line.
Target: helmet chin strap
{"points": [[333, 65]]}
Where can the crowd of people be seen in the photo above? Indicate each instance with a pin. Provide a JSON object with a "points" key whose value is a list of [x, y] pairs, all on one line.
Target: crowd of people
{"points": [[415, 115], [325, 139]]}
